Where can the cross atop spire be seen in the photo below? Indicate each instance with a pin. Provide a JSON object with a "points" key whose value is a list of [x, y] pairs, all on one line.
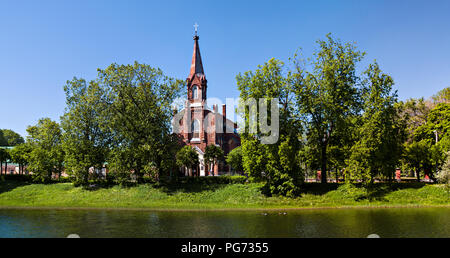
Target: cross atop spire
{"points": [[196, 65], [196, 28]]}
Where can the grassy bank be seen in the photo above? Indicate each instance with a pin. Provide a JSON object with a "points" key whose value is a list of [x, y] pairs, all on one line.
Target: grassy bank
{"points": [[225, 196]]}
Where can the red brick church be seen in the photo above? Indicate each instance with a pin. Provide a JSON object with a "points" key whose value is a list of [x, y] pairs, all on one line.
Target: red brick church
{"points": [[201, 126]]}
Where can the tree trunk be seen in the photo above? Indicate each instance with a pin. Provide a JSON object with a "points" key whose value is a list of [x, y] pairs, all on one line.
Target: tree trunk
{"points": [[417, 174], [306, 173], [137, 173], [323, 173], [337, 176], [1, 168]]}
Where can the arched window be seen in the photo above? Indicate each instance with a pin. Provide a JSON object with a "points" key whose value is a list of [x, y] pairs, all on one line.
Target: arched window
{"points": [[195, 128], [195, 92]]}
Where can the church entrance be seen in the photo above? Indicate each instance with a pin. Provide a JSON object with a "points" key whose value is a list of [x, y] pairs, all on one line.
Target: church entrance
{"points": [[196, 171]]}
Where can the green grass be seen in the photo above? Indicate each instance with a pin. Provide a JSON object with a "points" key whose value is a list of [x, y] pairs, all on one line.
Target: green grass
{"points": [[227, 196]]}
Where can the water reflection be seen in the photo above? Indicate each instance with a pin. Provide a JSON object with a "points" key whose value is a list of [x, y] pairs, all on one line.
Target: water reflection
{"points": [[398, 222]]}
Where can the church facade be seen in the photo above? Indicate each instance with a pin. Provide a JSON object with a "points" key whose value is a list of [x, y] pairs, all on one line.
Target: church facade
{"points": [[200, 126]]}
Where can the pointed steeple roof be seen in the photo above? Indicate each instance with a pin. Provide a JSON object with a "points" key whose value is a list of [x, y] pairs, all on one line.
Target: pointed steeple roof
{"points": [[196, 65]]}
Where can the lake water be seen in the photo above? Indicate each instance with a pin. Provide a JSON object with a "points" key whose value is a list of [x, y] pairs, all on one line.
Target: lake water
{"points": [[393, 222]]}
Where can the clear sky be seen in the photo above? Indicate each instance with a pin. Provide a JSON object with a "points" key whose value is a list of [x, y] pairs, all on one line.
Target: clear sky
{"points": [[45, 43]]}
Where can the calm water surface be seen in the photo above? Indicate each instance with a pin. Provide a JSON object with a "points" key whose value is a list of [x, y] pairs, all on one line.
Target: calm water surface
{"points": [[395, 222]]}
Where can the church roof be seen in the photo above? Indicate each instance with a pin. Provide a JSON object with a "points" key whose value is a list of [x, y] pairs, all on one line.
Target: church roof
{"points": [[196, 65]]}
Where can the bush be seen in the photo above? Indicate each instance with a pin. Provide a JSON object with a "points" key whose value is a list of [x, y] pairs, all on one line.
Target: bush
{"points": [[281, 185], [147, 180], [444, 174], [112, 179], [21, 178], [353, 191], [118, 178], [214, 180], [65, 179], [103, 183]]}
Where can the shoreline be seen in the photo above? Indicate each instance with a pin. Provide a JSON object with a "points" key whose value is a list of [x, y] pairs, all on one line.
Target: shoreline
{"points": [[230, 197], [221, 209]]}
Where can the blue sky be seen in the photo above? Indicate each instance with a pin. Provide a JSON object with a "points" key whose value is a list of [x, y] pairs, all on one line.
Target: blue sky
{"points": [[45, 43]]}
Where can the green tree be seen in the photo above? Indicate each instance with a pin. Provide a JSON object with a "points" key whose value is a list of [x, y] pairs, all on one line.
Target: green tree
{"points": [[308, 159], [436, 134], [20, 155], [444, 174], [327, 95], [417, 155], [234, 159], [4, 157], [442, 96], [253, 158], [212, 155], [414, 112], [47, 156], [138, 100], [380, 134], [277, 164], [437, 125], [169, 156], [187, 157], [12, 138], [3, 141], [86, 137]]}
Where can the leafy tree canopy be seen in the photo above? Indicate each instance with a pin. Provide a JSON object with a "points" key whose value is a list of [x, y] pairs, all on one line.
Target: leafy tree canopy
{"points": [[381, 133], [234, 158], [86, 137], [138, 115], [187, 156], [46, 156], [10, 138], [212, 154], [327, 94], [442, 96], [3, 141], [4, 155]]}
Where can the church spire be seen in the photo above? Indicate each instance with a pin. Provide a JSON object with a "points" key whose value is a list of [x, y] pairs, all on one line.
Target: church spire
{"points": [[196, 65], [196, 82]]}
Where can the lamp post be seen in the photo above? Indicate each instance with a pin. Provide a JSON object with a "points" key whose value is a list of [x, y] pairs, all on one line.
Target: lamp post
{"points": [[436, 138]]}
